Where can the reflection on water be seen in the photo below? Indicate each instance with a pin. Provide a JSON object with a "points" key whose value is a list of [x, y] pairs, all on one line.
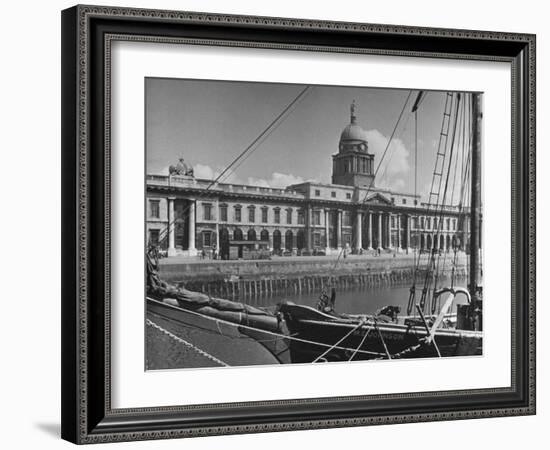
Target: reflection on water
{"points": [[355, 300]]}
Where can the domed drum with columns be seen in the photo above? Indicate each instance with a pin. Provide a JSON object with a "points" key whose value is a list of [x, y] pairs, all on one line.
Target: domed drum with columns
{"points": [[353, 164]]}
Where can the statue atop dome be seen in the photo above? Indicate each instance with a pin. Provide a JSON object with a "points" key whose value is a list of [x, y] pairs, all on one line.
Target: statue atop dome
{"points": [[353, 118]]}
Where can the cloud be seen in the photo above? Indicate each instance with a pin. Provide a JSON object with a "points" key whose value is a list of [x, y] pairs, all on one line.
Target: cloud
{"points": [[397, 185], [277, 180], [395, 163], [205, 171], [163, 171]]}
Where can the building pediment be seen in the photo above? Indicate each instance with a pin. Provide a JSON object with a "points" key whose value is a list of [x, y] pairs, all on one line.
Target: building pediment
{"points": [[378, 199]]}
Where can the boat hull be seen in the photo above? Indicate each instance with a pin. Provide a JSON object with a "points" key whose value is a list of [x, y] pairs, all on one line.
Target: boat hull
{"points": [[322, 337]]}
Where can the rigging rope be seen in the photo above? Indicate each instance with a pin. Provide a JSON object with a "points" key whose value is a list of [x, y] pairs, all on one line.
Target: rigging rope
{"points": [[272, 333], [253, 146], [365, 198], [359, 325], [442, 207], [186, 343]]}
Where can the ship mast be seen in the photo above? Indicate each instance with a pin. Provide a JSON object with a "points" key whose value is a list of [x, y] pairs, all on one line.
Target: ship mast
{"points": [[475, 202]]}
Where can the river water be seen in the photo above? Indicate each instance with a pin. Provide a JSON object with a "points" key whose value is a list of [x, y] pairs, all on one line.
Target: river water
{"points": [[355, 300]]}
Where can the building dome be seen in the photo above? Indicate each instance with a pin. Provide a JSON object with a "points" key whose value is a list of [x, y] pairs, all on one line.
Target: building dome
{"points": [[353, 137], [353, 132]]}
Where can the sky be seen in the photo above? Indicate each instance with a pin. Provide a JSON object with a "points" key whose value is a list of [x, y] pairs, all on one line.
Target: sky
{"points": [[209, 123]]}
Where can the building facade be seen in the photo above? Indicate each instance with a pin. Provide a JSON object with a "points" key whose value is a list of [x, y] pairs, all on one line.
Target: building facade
{"points": [[186, 215]]}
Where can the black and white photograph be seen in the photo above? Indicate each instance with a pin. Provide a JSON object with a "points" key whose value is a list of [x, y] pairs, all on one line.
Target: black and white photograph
{"points": [[290, 223]]}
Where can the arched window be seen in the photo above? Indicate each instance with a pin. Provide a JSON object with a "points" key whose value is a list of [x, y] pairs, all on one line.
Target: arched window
{"points": [[251, 235], [264, 235], [300, 239], [238, 234], [276, 240], [289, 240]]}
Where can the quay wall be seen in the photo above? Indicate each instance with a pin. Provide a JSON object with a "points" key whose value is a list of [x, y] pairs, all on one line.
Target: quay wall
{"points": [[238, 279]]}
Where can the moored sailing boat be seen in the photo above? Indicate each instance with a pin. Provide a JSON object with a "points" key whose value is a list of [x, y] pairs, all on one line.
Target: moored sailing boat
{"points": [[378, 336]]}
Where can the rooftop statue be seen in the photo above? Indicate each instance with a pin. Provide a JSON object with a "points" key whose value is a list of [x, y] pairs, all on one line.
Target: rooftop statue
{"points": [[181, 168]]}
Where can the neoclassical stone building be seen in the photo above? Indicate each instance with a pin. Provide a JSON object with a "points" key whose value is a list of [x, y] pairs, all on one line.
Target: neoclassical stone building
{"points": [[186, 215]]}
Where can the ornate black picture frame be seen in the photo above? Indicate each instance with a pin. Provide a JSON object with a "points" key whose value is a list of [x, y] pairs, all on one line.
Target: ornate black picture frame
{"points": [[87, 35]]}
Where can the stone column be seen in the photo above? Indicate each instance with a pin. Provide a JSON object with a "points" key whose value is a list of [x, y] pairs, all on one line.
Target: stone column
{"points": [[388, 228], [309, 228], [217, 215], [171, 227], [408, 218], [283, 241], [379, 243], [399, 243], [370, 230], [359, 231], [339, 230], [327, 243], [191, 247]]}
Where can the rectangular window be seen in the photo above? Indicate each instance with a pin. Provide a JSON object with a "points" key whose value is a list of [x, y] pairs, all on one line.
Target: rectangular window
{"points": [[251, 214], [435, 223], [238, 216], [454, 224], [316, 239], [223, 213], [317, 192], [264, 215], [404, 201], [206, 239], [392, 222], [289, 216], [448, 224], [428, 223], [333, 194], [154, 237], [301, 217], [348, 195], [207, 211], [277, 215], [316, 217], [154, 208], [422, 222], [346, 219]]}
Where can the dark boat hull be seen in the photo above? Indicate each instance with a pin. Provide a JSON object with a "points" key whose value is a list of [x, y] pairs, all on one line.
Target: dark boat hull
{"points": [[222, 336], [324, 337]]}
